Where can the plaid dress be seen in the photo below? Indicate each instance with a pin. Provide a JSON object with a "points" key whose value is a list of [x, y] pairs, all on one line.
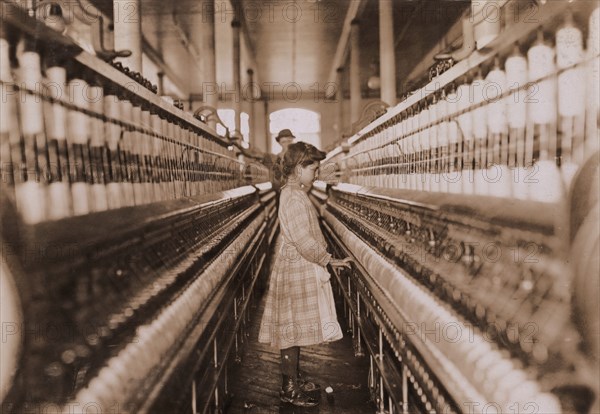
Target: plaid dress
{"points": [[291, 316]]}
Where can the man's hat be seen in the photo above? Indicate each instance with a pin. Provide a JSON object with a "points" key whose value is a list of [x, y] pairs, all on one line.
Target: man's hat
{"points": [[284, 133]]}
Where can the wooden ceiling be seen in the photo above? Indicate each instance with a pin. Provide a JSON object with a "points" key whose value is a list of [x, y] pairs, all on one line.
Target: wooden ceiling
{"points": [[288, 44], [295, 41]]}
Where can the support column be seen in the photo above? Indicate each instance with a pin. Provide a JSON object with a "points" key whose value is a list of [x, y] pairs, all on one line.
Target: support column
{"points": [[267, 126], [128, 31], [210, 89], [339, 95], [251, 99], [237, 104], [355, 94], [386, 52]]}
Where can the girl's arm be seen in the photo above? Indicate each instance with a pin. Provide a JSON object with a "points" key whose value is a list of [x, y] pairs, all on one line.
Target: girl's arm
{"points": [[294, 216]]}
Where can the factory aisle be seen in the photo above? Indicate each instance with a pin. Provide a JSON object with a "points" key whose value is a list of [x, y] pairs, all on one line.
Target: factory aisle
{"points": [[255, 383]]}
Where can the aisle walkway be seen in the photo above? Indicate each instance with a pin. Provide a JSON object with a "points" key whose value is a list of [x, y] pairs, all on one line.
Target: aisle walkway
{"points": [[256, 382]]}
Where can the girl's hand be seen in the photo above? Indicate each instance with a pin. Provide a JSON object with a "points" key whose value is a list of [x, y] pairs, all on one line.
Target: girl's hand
{"points": [[338, 264]]}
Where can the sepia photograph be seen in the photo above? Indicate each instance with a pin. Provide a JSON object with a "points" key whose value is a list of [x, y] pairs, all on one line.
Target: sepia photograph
{"points": [[300, 206]]}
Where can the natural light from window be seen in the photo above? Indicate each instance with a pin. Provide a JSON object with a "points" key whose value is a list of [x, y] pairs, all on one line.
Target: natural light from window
{"points": [[227, 116], [304, 124]]}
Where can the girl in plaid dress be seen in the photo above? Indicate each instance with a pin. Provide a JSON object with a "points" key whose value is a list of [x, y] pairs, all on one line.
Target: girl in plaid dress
{"points": [[292, 316]]}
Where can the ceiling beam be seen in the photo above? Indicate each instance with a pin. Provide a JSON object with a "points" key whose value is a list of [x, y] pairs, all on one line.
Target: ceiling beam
{"points": [[355, 9], [158, 60], [238, 6], [406, 26], [451, 39]]}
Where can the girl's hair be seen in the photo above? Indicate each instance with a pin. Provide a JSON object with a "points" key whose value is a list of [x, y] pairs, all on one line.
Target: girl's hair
{"points": [[302, 154]]}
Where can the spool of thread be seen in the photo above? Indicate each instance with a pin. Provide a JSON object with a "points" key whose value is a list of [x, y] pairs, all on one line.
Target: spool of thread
{"points": [[186, 154], [465, 122], [409, 156], [542, 106], [593, 84], [9, 129], [495, 86], [401, 179], [5, 71], [547, 403], [146, 141], [370, 173], [377, 154], [59, 194], [31, 106], [547, 185], [400, 129], [77, 139], [6, 112], [391, 165], [479, 135], [531, 146], [382, 161], [136, 157], [125, 151], [424, 151], [112, 133], [516, 79], [99, 156], [11, 312], [454, 148], [443, 152], [395, 161], [434, 150], [571, 83], [170, 161], [181, 172], [366, 160], [571, 93], [177, 133], [487, 16], [30, 192], [162, 155], [497, 123], [198, 162], [399, 154], [416, 167], [594, 32], [187, 162], [408, 173], [389, 154], [156, 157]]}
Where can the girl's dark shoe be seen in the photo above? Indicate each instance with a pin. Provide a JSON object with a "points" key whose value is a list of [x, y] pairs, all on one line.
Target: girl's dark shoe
{"points": [[291, 393], [308, 386], [305, 385]]}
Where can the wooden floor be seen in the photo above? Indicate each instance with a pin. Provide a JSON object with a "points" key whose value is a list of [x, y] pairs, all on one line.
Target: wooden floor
{"points": [[256, 381]]}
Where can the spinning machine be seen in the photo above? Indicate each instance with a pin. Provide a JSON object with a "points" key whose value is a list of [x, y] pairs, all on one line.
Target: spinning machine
{"points": [[132, 237], [471, 212]]}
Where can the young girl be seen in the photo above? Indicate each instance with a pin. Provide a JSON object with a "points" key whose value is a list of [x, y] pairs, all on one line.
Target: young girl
{"points": [[293, 317]]}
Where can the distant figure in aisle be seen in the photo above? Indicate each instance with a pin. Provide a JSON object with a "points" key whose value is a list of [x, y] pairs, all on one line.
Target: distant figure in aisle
{"points": [[285, 139], [299, 309], [271, 161]]}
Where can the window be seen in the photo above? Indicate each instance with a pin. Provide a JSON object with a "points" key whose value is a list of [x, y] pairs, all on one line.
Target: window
{"points": [[304, 124], [227, 116]]}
